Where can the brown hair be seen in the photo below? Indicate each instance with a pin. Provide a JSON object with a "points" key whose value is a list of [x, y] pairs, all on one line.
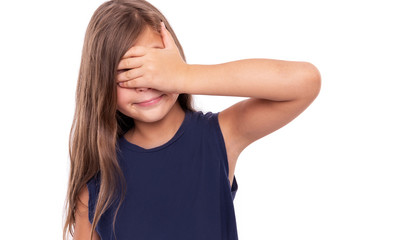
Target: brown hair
{"points": [[97, 124]]}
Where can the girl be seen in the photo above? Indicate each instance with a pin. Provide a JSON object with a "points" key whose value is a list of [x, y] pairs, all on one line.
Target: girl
{"points": [[144, 163]]}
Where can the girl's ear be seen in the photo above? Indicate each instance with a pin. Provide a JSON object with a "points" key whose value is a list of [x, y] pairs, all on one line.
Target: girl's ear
{"points": [[167, 37]]}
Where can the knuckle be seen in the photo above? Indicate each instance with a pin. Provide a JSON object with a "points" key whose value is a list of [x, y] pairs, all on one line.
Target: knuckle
{"points": [[141, 48], [127, 62], [135, 50], [150, 67], [127, 74]]}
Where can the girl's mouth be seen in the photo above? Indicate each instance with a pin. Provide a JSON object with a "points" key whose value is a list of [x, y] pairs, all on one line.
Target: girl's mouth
{"points": [[150, 102]]}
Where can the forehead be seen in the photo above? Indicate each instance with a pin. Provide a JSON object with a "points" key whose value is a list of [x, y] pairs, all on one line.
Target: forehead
{"points": [[149, 38]]}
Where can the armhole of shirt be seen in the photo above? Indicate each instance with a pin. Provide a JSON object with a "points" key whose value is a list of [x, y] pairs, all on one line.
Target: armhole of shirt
{"points": [[91, 186], [217, 130]]}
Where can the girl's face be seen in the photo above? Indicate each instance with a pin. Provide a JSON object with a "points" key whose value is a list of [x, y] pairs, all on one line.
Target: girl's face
{"points": [[128, 98]]}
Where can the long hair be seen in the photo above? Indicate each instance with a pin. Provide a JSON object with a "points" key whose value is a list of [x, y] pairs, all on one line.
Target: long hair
{"points": [[97, 124]]}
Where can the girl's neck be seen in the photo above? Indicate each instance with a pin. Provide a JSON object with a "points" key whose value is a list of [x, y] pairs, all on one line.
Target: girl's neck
{"points": [[153, 134]]}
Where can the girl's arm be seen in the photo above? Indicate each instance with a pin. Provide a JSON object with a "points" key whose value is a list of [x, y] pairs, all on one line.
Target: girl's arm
{"points": [[82, 223], [270, 79], [279, 91]]}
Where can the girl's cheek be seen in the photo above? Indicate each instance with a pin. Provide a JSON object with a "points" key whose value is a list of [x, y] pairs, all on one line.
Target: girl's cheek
{"points": [[124, 95]]}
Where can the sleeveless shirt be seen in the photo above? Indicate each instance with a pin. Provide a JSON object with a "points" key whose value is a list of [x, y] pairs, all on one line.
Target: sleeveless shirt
{"points": [[177, 191]]}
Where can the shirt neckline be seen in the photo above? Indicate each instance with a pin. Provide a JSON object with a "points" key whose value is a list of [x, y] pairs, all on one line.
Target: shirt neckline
{"points": [[178, 133]]}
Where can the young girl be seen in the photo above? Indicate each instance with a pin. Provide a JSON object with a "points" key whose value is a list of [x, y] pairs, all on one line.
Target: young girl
{"points": [[144, 163]]}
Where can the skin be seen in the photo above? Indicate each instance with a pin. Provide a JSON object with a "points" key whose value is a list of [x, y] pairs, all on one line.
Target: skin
{"points": [[278, 92], [82, 223], [154, 125]]}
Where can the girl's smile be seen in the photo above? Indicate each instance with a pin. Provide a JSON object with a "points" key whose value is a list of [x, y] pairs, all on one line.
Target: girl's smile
{"points": [[150, 102], [145, 104]]}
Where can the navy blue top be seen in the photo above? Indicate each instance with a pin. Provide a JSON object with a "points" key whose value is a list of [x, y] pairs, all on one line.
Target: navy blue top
{"points": [[177, 191]]}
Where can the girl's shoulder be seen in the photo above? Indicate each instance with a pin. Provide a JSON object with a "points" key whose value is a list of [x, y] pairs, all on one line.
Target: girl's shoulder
{"points": [[209, 123], [206, 116]]}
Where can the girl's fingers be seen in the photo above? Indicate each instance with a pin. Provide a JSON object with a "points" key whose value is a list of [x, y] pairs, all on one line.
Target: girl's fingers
{"points": [[135, 51], [129, 75], [131, 83], [167, 38], [128, 63]]}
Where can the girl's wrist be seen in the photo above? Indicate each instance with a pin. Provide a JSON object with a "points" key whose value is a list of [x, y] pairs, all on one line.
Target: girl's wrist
{"points": [[185, 79]]}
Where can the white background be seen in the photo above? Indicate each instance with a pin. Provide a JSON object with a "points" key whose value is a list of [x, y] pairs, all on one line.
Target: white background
{"points": [[325, 175]]}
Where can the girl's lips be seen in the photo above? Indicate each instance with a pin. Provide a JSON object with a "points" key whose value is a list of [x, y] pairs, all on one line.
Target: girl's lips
{"points": [[151, 102]]}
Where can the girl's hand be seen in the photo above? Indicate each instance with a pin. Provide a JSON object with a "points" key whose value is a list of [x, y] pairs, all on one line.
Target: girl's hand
{"points": [[161, 69]]}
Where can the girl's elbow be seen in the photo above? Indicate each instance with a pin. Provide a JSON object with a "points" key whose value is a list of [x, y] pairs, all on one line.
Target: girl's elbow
{"points": [[312, 81]]}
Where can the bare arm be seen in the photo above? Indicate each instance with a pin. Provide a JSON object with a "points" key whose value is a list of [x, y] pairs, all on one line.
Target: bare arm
{"points": [[270, 79], [279, 91], [82, 223]]}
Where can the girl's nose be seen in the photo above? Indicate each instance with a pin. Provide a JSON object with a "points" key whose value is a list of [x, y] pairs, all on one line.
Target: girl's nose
{"points": [[142, 89]]}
